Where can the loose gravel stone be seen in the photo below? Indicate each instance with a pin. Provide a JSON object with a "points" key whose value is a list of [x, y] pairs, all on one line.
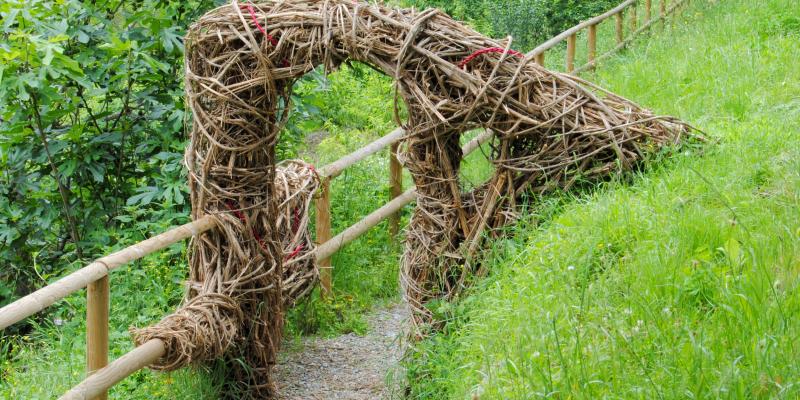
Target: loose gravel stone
{"points": [[348, 367]]}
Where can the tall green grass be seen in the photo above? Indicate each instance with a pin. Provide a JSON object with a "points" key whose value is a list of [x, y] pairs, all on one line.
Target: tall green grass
{"points": [[681, 284], [50, 359]]}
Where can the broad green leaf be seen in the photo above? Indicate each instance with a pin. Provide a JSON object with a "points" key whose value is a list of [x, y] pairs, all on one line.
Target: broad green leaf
{"points": [[68, 66], [82, 37], [146, 195], [732, 249], [97, 172], [8, 234], [58, 38], [10, 18], [68, 168], [48, 56], [124, 218], [153, 63]]}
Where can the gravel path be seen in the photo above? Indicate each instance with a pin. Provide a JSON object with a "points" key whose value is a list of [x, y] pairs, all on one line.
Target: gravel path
{"points": [[348, 367]]}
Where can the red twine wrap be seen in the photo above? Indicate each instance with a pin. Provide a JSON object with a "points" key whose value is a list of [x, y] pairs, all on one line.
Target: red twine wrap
{"points": [[285, 63], [472, 56], [296, 224], [261, 28], [238, 213]]}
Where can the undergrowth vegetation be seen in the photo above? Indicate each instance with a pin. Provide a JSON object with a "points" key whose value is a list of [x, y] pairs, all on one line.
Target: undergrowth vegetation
{"points": [[683, 283], [353, 110]]}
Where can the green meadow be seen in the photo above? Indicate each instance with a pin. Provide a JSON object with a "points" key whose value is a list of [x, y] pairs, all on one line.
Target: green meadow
{"points": [[677, 282]]}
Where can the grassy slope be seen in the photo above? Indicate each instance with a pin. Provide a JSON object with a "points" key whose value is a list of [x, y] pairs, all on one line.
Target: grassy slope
{"points": [[683, 284]]}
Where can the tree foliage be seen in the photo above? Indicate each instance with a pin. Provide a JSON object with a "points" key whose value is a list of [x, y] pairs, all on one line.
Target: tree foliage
{"points": [[91, 124]]}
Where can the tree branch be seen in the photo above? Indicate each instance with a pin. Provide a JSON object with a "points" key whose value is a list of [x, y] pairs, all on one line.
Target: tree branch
{"points": [[62, 190]]}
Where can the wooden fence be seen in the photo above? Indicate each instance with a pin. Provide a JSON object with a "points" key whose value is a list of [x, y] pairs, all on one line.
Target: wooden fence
{"points": [[629, 7], [95, 276]]}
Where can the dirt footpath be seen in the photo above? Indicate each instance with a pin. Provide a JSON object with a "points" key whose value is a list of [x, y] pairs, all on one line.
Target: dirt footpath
{"points": [[348, 367]]}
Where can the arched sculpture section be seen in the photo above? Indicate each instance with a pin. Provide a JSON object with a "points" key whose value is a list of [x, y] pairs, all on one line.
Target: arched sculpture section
{"points": [[241, 62]]}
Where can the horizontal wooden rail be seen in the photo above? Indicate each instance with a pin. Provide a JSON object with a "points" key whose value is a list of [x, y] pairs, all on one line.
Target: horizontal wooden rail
{"points": [[591, 64], [330, 247], [81, 278], [577, 28], [473, 144], [106, 377], [335, 168]]}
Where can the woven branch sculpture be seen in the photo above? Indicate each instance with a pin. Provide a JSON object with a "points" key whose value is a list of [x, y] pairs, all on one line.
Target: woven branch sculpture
{"points": [[241, 62]]}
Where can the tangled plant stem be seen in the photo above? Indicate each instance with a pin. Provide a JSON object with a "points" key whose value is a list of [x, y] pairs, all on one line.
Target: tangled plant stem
{"points": [[551, 130]]}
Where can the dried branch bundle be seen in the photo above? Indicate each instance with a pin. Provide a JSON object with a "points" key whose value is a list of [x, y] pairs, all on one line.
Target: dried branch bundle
{"points": [[209, 323], [241, 62]]}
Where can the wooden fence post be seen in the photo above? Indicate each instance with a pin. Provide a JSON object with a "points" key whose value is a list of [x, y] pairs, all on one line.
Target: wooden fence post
{"points": [[323, 206], [540, 59], [648, 10], [571, 41], [396, 182], [618, 17], [592, 44], [97, 309]]}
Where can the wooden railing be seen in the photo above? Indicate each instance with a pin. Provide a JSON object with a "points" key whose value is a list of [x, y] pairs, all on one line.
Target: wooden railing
{"points": [[629, 7], [95, 276], [97, 384]]}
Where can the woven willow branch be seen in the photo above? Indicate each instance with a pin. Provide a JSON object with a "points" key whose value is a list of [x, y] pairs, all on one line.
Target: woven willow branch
{"points": [[552, 131]]}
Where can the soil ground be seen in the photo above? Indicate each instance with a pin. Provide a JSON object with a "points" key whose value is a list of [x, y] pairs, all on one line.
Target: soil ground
{"points": [[348, 367]]}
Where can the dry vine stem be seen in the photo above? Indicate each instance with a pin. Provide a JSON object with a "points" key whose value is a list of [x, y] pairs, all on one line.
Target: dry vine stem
{"points": [[209, 323], [241, 61]]}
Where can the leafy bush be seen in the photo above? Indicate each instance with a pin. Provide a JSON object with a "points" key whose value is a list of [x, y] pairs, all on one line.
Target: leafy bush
{"points": [[91, 122]]}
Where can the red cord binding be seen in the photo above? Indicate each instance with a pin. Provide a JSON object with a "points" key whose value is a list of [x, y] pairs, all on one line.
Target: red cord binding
{"points": [[260, 241], [474, 55], [285, 63], [261, 28], [295, 253], [295, 225], [241, 217]]}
